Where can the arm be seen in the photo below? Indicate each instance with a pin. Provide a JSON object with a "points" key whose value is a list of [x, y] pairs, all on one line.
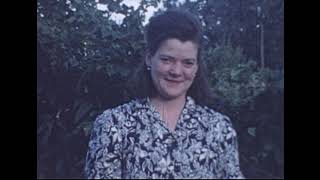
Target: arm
{"points": [[103, 159], [230, 156]]}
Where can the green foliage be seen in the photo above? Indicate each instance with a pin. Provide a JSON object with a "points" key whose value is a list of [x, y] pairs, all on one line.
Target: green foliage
{"points": [[84, 59], [241, 22], [235, 78], [253, 100]]}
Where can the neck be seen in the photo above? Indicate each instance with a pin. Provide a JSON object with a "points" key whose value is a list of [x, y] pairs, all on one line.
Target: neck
{"points": [[170, 104], [169, 109]]}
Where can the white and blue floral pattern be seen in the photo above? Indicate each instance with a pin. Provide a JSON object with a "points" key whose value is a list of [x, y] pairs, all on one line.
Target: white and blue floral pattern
{"points": [[131, 141]]}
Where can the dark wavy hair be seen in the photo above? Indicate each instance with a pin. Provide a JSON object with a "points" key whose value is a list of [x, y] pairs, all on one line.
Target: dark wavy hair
{"points": [[182, 25]]}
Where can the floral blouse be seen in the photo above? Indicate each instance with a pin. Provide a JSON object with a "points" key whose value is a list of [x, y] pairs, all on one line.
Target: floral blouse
{"points": [[132, 141]]}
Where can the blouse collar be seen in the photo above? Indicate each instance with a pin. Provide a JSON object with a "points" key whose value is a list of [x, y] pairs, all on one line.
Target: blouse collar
{"points": [[190, 103]]}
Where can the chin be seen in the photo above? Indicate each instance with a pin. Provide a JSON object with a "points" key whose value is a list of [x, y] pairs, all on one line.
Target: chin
{"points": [[171, 92], [173, 95]]}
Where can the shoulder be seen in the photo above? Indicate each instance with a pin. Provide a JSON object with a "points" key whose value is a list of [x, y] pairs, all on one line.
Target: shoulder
{"points": [[215, 120], [117, 115], [211, 114]]}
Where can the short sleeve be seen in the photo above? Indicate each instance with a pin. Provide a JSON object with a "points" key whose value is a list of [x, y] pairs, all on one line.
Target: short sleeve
{"points": [[229, 159], [103, 160]]}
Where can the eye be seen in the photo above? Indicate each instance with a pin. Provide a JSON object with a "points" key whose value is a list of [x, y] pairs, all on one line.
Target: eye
{"points": [[164, 60], [189, 63]]}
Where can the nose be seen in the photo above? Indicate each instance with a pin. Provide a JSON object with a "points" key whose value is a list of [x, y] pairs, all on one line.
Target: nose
{"points": [[175, 70]]}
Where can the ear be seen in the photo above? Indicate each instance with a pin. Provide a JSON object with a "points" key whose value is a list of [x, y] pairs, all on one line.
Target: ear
{"points": [[148, 60]]}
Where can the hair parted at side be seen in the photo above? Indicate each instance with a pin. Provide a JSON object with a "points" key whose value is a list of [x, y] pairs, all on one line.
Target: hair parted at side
{"points": [[182, 25]]}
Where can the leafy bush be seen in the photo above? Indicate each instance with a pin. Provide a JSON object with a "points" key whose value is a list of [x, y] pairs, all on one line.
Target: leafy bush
{"points": [[233, 77], [253, 100]]}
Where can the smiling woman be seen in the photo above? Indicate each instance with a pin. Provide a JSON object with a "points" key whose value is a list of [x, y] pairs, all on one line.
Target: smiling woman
{"points": [[167, 131]]}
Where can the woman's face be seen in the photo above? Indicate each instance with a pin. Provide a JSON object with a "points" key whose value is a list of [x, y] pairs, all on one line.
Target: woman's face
{"points": [[173, 67]]}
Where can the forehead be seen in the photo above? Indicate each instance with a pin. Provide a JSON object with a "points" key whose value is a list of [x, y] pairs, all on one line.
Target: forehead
{"points": [[178, 49]]}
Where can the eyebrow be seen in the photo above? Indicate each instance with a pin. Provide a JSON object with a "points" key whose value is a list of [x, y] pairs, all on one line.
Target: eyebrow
{"points": [[171, 57]]}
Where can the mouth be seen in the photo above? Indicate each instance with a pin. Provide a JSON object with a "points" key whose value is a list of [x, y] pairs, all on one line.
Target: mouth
{"points": [[173, 81]]}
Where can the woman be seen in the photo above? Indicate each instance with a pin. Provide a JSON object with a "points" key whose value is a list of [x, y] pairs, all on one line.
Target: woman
{"points": [[167, 131]]}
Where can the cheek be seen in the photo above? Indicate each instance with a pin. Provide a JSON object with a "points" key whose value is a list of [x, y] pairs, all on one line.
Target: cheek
{"points": [[157, 74], [159, 71], [191, 74]]}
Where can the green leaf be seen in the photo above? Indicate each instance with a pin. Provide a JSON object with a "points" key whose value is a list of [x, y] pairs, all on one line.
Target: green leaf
{"points": [[82, 111], [252, 131], [87, 128], [71, 19], [46, 122], [268, 147]]}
